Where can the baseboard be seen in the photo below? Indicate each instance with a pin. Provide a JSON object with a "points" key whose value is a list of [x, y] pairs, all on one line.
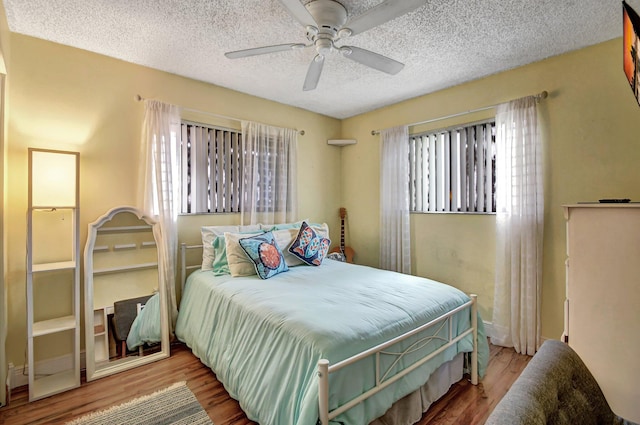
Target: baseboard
{"points": [[488, 328], [18, 376], [8, 383]]}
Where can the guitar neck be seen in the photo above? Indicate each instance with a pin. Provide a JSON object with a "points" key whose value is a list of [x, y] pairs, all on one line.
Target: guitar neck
{"points": [[342, 235]]}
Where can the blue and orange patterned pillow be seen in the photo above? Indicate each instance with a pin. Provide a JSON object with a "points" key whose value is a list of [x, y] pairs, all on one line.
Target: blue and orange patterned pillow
{"points": [[309, 246], [263, 251]]}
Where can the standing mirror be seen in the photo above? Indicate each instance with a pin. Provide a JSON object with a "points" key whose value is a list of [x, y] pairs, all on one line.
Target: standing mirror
{"points": [[125, 307]]}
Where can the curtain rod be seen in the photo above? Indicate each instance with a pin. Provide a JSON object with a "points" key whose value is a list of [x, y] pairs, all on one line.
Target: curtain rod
{"points": [[538, 97], [140, 98]]}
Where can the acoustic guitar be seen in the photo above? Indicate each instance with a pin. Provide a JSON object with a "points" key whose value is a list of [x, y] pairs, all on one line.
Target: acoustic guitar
{"points": [[347, 251]]}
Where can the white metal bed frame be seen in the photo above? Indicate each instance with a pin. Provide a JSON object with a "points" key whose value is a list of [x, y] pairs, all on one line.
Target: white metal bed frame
{"points": [[383, 379]]}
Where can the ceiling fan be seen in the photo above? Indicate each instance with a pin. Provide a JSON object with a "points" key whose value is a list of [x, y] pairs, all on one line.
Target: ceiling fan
{"points": [[326, 23]]}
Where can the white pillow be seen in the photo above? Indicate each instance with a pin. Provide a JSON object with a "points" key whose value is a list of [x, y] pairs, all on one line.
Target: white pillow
{"points": [[284, 238], [283, 226], [209, 233], [322, 229], [239, 263]]}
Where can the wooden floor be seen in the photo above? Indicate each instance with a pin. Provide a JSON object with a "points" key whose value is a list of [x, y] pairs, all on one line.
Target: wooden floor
{"points": [[463, 404]]}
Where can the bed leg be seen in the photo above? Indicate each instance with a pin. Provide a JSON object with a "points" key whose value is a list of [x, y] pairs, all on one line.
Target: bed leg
{"points": [[474, 353], [323, 391]]}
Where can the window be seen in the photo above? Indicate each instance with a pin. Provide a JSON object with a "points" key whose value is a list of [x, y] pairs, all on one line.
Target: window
{"points": [[453, 170], [211, 163]]}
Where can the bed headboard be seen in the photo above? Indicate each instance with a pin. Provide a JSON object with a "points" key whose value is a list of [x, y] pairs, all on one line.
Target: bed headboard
{"points": [[190, 260]]}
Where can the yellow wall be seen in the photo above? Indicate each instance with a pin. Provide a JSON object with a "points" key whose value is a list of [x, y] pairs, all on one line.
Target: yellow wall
{"points": [[70, 99], [591, 124]]}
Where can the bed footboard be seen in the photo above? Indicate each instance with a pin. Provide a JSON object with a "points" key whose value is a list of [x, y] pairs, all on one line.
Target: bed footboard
{"points": [[382, 378]]}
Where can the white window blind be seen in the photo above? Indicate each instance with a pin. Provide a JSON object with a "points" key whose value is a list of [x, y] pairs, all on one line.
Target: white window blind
{"points": [[453, 170], [211, 169]]}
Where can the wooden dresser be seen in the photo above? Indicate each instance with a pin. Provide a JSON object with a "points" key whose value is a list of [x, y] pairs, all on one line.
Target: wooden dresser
{"points": [[602, 310]]}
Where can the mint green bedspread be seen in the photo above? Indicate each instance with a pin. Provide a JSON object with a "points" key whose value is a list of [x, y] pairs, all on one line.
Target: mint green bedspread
{"points": [[145, 328], [263, 338]]}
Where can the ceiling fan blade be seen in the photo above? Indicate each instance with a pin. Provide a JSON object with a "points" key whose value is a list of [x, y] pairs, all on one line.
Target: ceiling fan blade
{"points": [[263, 50], [372, 60], [298, 11], [313, 74], [385, 11]]}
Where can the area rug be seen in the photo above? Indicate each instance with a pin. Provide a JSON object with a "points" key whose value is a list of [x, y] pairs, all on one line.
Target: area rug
{"points": [[173, 405]]}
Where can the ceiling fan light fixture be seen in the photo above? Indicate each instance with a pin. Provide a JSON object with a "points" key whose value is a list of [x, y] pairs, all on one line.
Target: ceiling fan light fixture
{"points": [[323, 46]]}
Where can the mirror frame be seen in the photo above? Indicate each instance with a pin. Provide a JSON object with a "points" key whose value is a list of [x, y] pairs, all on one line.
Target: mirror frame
{"points": [[119, 366]]}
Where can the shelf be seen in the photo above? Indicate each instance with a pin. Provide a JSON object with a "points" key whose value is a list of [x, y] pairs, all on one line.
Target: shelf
{"points": [[58, 324], [53, 384], [129, 268], [49, 267]]}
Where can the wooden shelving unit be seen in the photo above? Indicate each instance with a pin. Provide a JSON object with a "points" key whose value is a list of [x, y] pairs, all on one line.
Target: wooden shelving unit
{"points": [[53, 269]]}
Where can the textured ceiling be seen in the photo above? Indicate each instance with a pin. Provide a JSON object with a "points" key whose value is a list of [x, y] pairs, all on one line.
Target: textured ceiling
{"points": [[442, 44]]}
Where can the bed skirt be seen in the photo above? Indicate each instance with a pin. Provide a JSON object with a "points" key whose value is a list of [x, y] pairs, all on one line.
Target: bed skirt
{"points": [[409, 410]]}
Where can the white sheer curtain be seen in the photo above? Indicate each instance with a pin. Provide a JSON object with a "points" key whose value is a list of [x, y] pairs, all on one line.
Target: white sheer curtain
{"points": [[269, 185], [520, 223], [159, 185], [395, 239]]}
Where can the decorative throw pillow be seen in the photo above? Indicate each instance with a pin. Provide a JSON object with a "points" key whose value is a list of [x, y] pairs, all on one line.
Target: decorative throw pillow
{"points": [[239, 264], [265, 255], [310, 246]]}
